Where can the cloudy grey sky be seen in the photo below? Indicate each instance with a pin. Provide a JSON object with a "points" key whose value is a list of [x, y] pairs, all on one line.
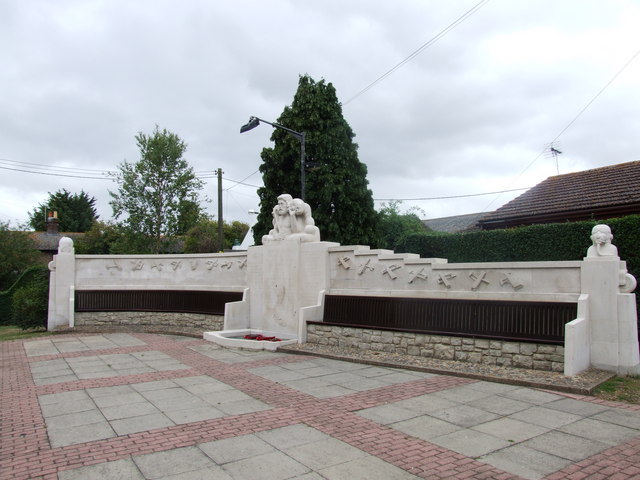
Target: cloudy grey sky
{"points": [[468, 114]]}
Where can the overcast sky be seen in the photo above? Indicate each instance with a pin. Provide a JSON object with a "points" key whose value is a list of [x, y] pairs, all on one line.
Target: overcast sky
{"points": [[468, 114]]}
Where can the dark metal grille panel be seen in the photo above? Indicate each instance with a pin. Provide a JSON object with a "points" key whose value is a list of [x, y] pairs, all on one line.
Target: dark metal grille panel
{"points": [[528, 321], [180, 301]]}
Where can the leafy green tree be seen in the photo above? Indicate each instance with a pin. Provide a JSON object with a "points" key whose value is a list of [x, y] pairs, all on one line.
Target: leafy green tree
{"points": [[203, 238], [17, 253], [155, 192], [76, 212], [336, 184], [394, 226]]}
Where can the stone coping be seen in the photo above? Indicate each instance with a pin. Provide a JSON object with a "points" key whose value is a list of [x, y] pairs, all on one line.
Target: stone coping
{"points": [[584, 383]]}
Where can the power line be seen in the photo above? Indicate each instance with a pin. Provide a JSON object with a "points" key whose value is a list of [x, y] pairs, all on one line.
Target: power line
{"points": [[423, 47], [447, 197]]}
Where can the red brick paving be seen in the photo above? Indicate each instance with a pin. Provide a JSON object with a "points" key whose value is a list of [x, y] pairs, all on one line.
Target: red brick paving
{"points": [[25, 452]]}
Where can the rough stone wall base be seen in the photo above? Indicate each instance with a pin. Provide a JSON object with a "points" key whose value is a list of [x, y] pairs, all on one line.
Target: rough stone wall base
{"points": [[164, 322], [474, 350]]}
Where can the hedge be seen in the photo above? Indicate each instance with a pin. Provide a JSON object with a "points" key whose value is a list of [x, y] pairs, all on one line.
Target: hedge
{"points": [[35, 275]]}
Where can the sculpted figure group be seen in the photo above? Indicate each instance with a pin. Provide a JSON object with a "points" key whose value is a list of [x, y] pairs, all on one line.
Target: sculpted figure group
{"points": [[601, 237], [292, 220]]}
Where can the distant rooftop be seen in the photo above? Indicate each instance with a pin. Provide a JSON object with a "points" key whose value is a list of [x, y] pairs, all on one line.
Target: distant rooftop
{"points": [[598, 193], [454, 224]]}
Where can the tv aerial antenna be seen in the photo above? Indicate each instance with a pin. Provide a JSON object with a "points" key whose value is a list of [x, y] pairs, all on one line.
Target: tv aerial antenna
{"points": [[553, 150]]}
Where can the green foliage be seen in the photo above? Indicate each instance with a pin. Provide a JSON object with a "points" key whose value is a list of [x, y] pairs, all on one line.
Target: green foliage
{"points": [[111, 238], [30, 302], [159, 194], [17, 252], [6, 296], [394, 226], [336, 184], [76, 212], [554, 242], [203, 238]]}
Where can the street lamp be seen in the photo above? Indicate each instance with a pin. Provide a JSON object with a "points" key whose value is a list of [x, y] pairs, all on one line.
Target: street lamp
{"points": [[255, 121]]}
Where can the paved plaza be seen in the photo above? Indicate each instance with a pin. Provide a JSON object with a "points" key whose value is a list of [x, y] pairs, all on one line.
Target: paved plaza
{"points": [[147, 406]]}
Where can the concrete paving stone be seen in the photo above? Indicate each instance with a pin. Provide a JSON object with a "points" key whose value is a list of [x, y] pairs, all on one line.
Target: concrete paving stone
{"points": [[80, 361], [492, 387], [499, 405], [271, 466], [535, 397], [213, 472], [172, 462], [98, 342], [150, 355], [166, 365], [64, 397], [124, 339], [525, 462], [134, 371], [118, 399], [180, 403], [101, 374], [386, 414], [584, 409], [196, 380], [619, 417], [426, 403], [291, 436], [236, 448], [118, 359], [124, 469], [344, 379], [470, 442], [129, 410], [74, 419], [324, 453], [462, 394], [393, 378], [565, 445], [239, 407], [204, 390], [173, 391], [277, 374], [60, 437], [63, 408], [189, 415], [464, 415], [71, 346], [54, 380], [513, 431], [308, 476], [109, 391], [424, 427], [48, 365], [306, 384], [341, 365], [545, 417], [40, 347], [604, 432], [319, 371], [330, 391], [366, 468], [141, 423], [154, 385], [363, 384], [373, 372], [301, 365], [225, 396]]}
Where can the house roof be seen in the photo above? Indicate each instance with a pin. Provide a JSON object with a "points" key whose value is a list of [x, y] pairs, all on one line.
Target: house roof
{"points": [[454, 224], [47, 242], [598, 193]]}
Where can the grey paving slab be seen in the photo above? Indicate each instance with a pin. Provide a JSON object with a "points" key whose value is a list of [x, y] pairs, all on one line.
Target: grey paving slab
{"points": [[141, 423], [64, 397], [74, 419], [118, 399], [464, 415], [471, 443], [277, 374], [619, 417], [609, 433], [172, 462], [236, 448], [324, 453], [63, 436], [536, 397], [129, 410], [499, 404], [545, 417], [109, 391], [291, 436], [426, 403], [462, 394], [40, 347], [386, 414], [525, 462], [328, 391], [155, 385], [511, 430], [213, 472], [196, 414], [367, 468], [272, 466], [425, 427], [565, 445], [118, 469], [239, 407], [124, 339]]}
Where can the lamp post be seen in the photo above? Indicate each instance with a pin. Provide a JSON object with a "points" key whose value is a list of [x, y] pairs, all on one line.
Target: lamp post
{"points": [[255, 121]]}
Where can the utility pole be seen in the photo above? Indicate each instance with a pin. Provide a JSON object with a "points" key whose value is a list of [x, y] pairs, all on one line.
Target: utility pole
{"points": [[220, 222]]}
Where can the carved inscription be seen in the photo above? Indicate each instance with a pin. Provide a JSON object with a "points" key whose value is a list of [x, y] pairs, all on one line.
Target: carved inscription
{"points": [[419, 274], [363, 267], [478, 280], [344, 262], [390, 271], [446, 279], [507, 280]]}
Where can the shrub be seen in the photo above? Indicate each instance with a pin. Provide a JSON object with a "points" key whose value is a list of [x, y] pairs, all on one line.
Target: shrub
{"points": [[29, 304]]}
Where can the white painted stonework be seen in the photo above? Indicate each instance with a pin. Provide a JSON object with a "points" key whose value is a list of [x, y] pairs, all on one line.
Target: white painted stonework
{"points": [[285, 280]]}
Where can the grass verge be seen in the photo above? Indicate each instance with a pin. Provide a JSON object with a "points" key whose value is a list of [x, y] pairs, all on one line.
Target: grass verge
{"points": [[11, 332], [620, 389]]}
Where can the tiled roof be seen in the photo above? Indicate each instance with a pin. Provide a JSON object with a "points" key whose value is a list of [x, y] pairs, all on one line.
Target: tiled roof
{"points": [[47, 242], [615, 186], [454, 224]]}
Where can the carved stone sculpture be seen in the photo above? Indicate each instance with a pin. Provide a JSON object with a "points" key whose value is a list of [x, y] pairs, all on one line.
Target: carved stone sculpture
{"points": [[292, 220], [601, 237]]}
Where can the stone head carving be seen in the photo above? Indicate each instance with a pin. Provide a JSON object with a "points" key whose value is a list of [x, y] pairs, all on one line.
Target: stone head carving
{"points": [[292, 220], [601, 237], [65, 245]]}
